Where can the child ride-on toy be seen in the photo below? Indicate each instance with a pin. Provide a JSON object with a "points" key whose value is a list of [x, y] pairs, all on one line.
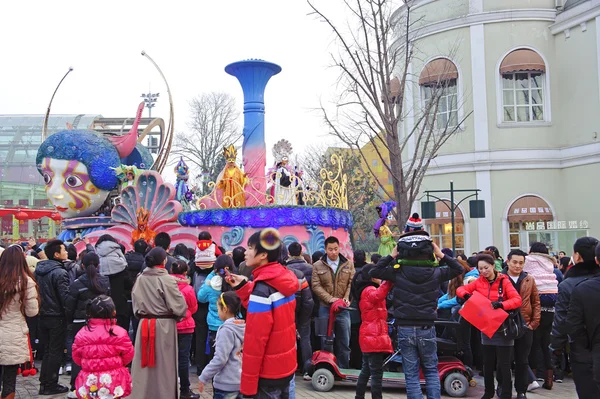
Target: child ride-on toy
{"points": [[455, 377]]}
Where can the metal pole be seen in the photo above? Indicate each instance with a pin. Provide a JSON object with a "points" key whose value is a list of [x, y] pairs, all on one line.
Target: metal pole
{"points": [[45, 124], [452, 208]]}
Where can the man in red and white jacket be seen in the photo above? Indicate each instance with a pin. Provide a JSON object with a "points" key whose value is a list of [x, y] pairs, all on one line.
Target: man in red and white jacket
{"points": [[269, 356]]}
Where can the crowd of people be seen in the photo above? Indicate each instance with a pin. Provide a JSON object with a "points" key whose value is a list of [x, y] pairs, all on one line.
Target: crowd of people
{"points": [[131, 324]]}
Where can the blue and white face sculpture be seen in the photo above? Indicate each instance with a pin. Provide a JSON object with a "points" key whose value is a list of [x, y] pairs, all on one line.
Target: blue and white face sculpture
{"points": [[78, 170]]}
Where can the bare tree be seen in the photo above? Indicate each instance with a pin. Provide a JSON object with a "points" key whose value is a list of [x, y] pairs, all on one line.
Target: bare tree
{"points": [[373, 104], [214, 124], [361, 189]]}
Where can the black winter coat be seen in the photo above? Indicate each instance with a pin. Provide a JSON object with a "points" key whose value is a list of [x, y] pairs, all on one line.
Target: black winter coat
{"points": [[578, 274], [135, 262], [53, 281], [80, 294], [416, 288], [120, 291], [304, 298]]}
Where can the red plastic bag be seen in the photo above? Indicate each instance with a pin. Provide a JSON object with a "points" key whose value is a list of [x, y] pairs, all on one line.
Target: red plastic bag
{"points": [[479, 312]]}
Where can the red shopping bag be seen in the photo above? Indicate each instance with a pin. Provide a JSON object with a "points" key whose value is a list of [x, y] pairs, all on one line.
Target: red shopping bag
{"points": [[479, 312]]}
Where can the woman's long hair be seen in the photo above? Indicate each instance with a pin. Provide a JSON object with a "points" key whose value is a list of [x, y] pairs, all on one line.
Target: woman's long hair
{"points": [[181, 252], [13, 278], [458, 280], [91, 261]]}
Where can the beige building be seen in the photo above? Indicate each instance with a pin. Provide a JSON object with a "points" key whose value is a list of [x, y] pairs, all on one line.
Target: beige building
{"points": [[529, 71]]}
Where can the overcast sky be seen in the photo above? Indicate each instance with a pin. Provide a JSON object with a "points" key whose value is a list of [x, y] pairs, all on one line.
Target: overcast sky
{"points": [[191, 41]]}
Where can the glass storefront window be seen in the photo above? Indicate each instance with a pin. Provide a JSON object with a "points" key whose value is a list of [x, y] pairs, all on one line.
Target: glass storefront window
{"points": [[555, 240], [441, 234]]}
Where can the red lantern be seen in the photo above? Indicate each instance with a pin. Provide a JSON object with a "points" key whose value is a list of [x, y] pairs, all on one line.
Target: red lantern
{"points": [[22, 215], [55, 216]]}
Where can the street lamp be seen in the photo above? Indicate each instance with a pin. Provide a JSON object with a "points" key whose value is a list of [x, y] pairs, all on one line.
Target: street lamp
{"points": [[476, 206], [150, 100]]}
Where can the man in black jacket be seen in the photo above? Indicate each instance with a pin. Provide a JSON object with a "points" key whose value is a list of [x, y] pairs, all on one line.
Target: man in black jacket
{"points": [[417, 276], [53, 283], [135, 261], [305, 302], [584, 269], [583, 321]]}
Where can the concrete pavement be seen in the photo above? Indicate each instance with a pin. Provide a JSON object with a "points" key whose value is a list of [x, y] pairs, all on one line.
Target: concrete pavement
{"points": [[27, 387]]}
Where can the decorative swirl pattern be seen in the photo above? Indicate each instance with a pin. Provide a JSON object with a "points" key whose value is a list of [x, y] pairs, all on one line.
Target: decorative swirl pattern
{"points": [[232, 238], [272, 216], [316, 242]]}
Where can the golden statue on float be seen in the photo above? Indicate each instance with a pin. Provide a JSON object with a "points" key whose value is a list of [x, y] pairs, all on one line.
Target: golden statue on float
{"points": [[231, 181]]}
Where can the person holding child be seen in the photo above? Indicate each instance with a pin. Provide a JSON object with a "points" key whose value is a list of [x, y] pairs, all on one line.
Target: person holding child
{"points": [[225, 368]]}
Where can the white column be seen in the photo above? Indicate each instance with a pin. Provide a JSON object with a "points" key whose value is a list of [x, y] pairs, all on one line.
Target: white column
{"points": [[598, 47], [480, 126], [480, 117], [483, 180]]}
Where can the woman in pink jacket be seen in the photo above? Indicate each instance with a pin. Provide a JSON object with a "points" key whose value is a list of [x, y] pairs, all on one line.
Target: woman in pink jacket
{"points": [[185, 328], [102, 349]]}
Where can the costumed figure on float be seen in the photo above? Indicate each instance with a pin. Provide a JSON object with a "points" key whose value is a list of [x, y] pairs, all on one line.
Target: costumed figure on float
{"points": [[382, 230], [283, 178], [231, 181], [183, 193]]}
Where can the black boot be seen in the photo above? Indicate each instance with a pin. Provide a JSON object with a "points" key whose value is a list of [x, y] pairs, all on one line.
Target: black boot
{"points": [[54, 389], [189, 395], [521, 395]]}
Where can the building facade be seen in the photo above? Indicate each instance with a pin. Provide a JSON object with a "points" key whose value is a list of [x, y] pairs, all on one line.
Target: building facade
{"points": [[529, 72]]}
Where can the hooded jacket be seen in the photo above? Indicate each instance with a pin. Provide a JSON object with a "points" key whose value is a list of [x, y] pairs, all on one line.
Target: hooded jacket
{"points": [[416, 288], [103, 357], [531, 308], [225, 368], [270, 355], [114, 265], [541, 268], [560, 329], [53, 280], [112, 260], [209, 293], [80, 294], [327, 285], [187, 324], [373, 334]]}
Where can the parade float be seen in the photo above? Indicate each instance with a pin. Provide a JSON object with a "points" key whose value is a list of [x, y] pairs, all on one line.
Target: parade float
{"points": [[112, 185]]}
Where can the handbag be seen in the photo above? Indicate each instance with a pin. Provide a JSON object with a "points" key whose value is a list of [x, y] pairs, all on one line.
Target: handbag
{"points": [[514, 327]]}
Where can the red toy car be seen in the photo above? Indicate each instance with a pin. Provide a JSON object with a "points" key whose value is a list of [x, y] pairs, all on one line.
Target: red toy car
{"points": [[455, 377]]}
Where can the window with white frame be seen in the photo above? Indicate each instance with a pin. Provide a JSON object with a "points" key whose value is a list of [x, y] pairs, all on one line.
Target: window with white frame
{"points": [[523, 96], [438, 83], [523, 87], [447, 107]]}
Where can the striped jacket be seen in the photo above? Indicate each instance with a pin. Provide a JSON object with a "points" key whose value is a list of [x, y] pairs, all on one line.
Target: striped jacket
{"points": [[269, 355]]}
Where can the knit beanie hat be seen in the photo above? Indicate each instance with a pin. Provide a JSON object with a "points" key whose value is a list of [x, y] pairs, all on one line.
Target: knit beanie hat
{"points": [[414, 223]]}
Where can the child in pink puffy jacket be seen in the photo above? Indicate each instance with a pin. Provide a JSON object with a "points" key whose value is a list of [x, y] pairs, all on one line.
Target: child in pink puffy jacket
{"points": [[185, 328], [102, 349]]}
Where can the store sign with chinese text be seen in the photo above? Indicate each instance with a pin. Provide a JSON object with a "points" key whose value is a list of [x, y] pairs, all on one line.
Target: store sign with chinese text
{"points": [[557, 225]]}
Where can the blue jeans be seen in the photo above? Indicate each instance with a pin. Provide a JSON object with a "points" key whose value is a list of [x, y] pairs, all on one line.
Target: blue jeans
{"points": [[218, 394], [292, 388], [341, 329], [184, 342], [270, 392], [419, 348]]}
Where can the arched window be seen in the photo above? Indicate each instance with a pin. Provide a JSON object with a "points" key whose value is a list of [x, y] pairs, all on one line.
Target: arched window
{"points": [[440, 228], [438, 81], [523, 74], [527, 222]]}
